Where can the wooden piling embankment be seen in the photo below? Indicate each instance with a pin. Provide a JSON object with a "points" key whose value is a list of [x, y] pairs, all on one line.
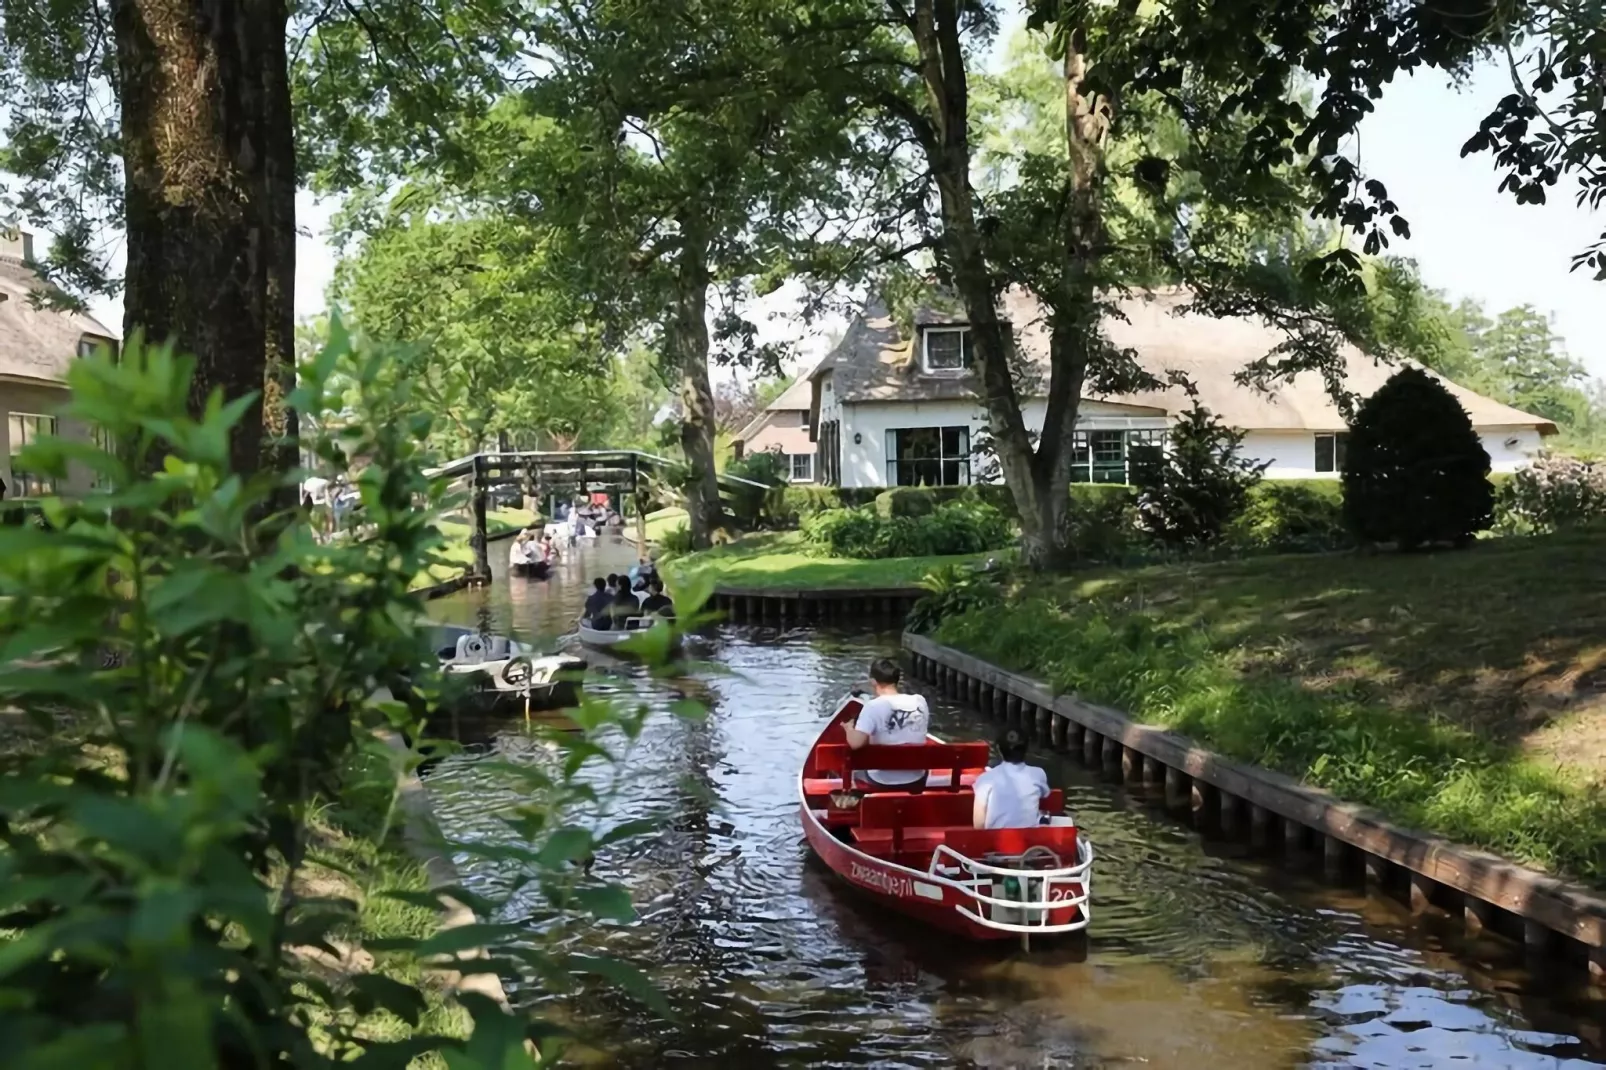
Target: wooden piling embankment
{"points": [[789, 606], [1554, 919]]}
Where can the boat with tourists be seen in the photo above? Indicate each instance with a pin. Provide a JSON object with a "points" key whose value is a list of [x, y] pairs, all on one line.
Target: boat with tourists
{"points": [[622, 629], [918, 852], [509, 676], [531, 556]]}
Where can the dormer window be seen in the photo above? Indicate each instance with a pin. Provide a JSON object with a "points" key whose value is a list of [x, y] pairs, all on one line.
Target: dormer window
{"points": [[946, 350]]}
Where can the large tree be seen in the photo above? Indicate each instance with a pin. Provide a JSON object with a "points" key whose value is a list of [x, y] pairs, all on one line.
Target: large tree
{"points": [[170, 123], [501, 346], [678, 156]]}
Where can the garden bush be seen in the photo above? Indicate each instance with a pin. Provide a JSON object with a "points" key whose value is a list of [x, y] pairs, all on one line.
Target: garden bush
{"points": [[950, 591], [1294, 516], [959, 527], [1416, 472], [798, 503], [1200, 486], [1552, 493], [1104, 523]]}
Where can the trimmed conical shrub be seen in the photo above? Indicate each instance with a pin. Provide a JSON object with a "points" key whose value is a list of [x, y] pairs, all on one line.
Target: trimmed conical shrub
{"points": [[1416, 472]]}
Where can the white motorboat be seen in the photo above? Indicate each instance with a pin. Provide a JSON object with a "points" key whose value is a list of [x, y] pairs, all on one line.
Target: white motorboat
{"points": [[610, 638], [509, 673]]}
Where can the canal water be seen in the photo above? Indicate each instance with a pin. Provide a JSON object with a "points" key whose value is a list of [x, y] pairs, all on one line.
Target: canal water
{"points": [[1198, 956]]}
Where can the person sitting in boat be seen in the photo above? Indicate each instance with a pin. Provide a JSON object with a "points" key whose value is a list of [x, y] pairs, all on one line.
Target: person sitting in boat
{"points": [[1008, 796], [613, 583], [894, 718], [520, 553], [624, 605], [549, 549], [656, 601], [597, 605]]}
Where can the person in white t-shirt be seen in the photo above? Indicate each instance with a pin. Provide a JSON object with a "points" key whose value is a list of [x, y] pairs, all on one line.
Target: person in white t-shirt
{"points": [[891, 718], [1008, 795]]}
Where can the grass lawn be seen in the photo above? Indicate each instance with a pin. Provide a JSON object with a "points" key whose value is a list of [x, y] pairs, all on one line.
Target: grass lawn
{"points": [[459, 556], [664, 521], [777, 559], [1464, 692]]}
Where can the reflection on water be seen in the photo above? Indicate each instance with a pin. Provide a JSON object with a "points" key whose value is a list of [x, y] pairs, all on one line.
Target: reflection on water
{"points": [[1196, 958]]}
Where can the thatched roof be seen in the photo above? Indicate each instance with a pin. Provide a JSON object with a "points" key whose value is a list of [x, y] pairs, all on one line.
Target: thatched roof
{"points": [[36, 343], [877, 362]]}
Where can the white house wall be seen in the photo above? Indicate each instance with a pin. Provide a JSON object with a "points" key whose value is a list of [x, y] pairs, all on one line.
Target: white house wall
{"points": [[864, 462], [1292, 453]]}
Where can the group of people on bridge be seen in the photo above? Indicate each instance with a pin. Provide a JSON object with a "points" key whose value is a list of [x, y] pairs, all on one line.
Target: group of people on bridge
{"points": [[618, 598]]}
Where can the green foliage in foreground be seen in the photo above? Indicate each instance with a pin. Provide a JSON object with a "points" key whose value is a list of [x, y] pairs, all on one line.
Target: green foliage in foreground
{"points": [[1165, 669], [192, 678]]}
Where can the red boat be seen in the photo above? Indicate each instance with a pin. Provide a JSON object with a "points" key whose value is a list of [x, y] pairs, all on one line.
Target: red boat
{"points": [[917, 852]]}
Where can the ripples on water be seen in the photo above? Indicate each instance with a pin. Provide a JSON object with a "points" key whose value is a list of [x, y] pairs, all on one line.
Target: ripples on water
{"points": [[1195, 959]]}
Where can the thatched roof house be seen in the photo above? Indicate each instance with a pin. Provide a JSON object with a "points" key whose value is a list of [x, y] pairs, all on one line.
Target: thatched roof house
{"points": [[891, 405], [37, 346]]}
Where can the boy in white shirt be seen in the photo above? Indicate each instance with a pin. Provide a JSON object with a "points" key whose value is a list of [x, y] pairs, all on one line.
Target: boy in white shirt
{"points": [[891, 718], [1008, 794]]}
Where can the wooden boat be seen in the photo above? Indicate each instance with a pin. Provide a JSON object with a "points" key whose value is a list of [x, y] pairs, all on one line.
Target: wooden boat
{"points": [[533, 570], [917, 852], [511, 676], [610, 638]]}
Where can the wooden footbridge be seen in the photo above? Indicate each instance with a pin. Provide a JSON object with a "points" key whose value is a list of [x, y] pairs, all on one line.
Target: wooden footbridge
{"points": [[573, 471]]}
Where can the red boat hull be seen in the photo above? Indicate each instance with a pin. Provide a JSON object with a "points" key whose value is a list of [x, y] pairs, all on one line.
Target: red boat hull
{"points": [[903, 878]]}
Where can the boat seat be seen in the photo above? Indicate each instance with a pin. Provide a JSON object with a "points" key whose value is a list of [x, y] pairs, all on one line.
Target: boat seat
{"points": [[842, 760], [921, 838], [813, 786], [975, 843]]}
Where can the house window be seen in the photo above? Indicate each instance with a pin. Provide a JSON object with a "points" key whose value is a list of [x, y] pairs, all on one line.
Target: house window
{"points": [[947, 349], [1331, 451], [86, 347], [1114, 456], [803, 418], [928, 456], [26, 429], [802, 467]]}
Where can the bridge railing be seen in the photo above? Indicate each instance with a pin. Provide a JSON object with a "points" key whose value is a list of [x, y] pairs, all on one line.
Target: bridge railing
{"points": [[595, 460]]}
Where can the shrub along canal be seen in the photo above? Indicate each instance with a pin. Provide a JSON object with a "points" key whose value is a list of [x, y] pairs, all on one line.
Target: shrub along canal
{"points": [[1197, 956]]}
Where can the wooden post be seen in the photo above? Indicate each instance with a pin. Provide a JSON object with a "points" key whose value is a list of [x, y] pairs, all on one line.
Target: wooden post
{"points": [[1110, 758], [1232, 811], [1537, 939], [1176, 788], [1056, 727], [477, 539], [1476, 914], [1012, 709], [1092, 747], [1335, 859], [1043, 721], [1075, 733], [1293, 838], [1420, 895], [1205, 802], [641, 509], [1131, 765], [1153, 771], [1259, 827]]}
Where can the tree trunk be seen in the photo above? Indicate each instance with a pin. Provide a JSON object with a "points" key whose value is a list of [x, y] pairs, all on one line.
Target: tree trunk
{"points": [[947, 148], [1073, 312], [208, 149], [688, 352]]}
